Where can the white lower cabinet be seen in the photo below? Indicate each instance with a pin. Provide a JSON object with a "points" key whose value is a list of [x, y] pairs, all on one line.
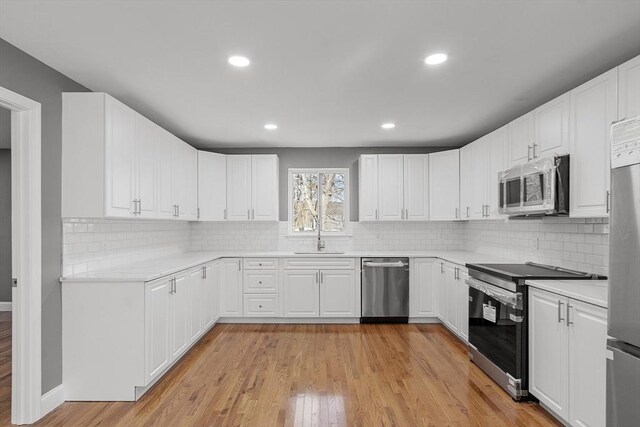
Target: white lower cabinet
{"points": [[454, 299], [338, 293], [261, 305], [328, 292], [231, 287], [156, 321], [210, 284], [179, 320], [301, 293], [196, 293], [567, 359], [424, 287]]}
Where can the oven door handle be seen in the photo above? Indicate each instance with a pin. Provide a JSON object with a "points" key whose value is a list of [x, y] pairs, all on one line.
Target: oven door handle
{"points": [[512, 299]]}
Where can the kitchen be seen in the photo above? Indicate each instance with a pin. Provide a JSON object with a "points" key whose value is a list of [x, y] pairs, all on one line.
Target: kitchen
{"points": [[352, 253]]}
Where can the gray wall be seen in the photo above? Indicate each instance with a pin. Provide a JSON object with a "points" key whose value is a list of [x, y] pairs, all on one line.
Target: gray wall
{"points": [[340, 157], [29, 77], [5, 128], [5, 225]]}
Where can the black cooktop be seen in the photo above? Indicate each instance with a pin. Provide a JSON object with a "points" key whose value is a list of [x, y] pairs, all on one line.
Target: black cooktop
{"points": [[529, 270]]}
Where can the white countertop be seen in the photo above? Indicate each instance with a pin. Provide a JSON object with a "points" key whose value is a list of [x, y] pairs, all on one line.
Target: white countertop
{"points": [[589, 291], [145, 271]]}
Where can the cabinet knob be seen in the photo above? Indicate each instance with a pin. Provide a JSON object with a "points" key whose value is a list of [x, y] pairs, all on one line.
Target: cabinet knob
{"points": [[259, 306], [260, 282]]}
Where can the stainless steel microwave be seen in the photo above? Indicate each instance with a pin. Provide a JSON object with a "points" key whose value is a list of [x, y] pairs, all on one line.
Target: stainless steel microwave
{"points": [[540, 187]]}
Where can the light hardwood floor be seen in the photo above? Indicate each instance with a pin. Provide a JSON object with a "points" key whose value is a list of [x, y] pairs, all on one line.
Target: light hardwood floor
{"points": [[317, 375], [5, 367]]}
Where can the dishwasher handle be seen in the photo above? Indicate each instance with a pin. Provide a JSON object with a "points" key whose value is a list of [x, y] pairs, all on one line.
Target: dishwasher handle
{"points": [[396, 264]]}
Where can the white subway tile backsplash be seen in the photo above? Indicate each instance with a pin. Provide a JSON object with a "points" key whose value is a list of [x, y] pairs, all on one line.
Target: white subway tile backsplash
{"points": [[581, 244]]}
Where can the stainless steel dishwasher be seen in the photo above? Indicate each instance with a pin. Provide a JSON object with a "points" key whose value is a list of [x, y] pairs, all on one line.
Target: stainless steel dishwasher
{"points": [[385, 290]]}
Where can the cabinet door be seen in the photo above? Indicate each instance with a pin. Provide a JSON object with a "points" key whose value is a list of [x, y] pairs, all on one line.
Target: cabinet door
{"points": [[548, 356], [473, 163], [496, 162], [587, 364], [212, 186], [521, 139], [444, 185], [238, 188], [164, 174], [179, 302], [450, 293], [629, 89], [209, 297], [368, 187], [423, 285], [264, 187], [146, 151], [231, 288], [338, 293], [593, 109], [438, 280], [195, 279], [463, 304], [301, 293], [185, 177], [390, 186], [120, 159], [156, 328], [552, 127], [416, 187]]}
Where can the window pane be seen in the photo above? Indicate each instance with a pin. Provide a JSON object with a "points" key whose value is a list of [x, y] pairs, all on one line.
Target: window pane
{"points": [[333, 202], [305, 201]]}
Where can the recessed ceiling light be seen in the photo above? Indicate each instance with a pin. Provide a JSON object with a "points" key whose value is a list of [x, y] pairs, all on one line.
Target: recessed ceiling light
{"points": [[271, 126], [435, 59], [239, 61], [388, 125]]}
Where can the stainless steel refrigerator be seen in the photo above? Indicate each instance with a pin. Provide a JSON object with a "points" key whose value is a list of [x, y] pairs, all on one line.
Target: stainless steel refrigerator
{"points": [[623, 355]]}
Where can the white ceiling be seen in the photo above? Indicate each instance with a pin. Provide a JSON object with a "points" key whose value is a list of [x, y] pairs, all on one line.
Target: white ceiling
{"points": [[328, 72]]}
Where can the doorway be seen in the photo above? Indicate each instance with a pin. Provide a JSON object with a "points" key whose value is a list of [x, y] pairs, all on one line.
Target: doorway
{"points": [[26, 257], [5, 264]]}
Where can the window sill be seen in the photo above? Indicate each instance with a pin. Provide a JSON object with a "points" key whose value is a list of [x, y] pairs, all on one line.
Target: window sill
{"points": [[315, 236]]}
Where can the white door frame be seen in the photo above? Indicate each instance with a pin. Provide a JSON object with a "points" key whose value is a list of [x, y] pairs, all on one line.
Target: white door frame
{"points": [[26, 256]]}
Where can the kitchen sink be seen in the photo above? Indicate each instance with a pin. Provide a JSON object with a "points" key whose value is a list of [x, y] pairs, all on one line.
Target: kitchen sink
{"points": [[319, 253]]}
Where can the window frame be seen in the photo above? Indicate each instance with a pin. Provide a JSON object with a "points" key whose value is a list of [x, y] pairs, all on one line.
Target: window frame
{"points": [[345, 229]]}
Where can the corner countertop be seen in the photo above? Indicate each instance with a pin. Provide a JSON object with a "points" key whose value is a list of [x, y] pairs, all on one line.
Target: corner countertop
{"points": [[145, 271], [589, 291]]}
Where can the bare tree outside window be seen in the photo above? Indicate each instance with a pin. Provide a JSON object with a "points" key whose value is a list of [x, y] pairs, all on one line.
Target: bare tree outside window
{"points": [[317, 200]]}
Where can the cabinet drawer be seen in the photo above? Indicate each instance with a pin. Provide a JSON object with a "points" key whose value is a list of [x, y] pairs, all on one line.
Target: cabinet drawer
{"points": [[261, 281], [261, 305], [261, 263], [320, 263]]}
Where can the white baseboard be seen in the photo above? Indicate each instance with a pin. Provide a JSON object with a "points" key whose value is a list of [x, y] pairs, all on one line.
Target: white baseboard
{"points": [[5, 306], [51, 400]]}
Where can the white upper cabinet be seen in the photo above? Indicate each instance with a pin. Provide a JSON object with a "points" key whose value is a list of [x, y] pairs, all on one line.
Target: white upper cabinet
{"points": [[552, 128], [473, 170], [593, 108], [239, 188], [368, 187], [252, 188], [416, 187], [444, 185], [390, 185], [629, 89], [120, 152], [496, 146], [264, 187], [185, 180], [521, 139], [212, 186], [394, 187], [118, 164], [145, 172]]}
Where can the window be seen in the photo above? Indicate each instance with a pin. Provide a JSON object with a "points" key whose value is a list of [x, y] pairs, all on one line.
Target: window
{"points": [[318, 200]]}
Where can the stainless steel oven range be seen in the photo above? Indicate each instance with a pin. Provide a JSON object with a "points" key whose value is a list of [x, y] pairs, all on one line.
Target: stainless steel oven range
{"points": [[498, 321]]}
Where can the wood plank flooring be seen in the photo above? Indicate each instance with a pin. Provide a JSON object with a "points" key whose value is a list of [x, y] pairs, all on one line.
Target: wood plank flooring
{"points": [[317, 375], [5, 367]]}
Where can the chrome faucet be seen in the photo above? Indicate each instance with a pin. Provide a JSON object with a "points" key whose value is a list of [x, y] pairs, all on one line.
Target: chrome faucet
{"points": [[320, 242]]}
